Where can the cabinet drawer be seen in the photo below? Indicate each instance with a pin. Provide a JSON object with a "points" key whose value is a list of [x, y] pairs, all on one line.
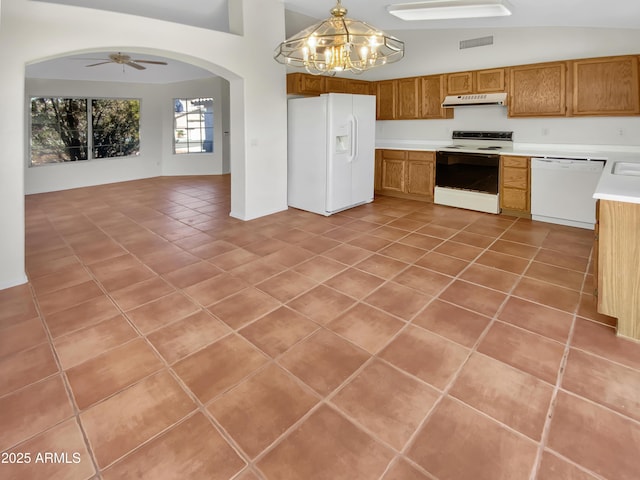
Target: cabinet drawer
{"points": [[417, 155], [515, 178], [514, 199], [518, 162], [395, 154]]}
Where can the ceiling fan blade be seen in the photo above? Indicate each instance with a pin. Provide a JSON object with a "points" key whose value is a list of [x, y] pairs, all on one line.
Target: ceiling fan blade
{"points": [[151, 61], [136, 66], [96, 64]]}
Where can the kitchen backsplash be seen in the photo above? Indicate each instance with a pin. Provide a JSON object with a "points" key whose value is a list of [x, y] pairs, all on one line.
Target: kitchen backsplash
{"points": [[622, 131]]}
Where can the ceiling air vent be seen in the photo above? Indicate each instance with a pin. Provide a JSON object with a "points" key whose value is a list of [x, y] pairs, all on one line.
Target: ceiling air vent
{"points": [[476, 42]]}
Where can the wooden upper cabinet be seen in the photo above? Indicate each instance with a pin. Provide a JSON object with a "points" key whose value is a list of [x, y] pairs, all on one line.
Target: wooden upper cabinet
{"points": [[335, 85], [460, 83], [408, 103], [386, 91], [359, 87], [305, 84], [490, 81], [479, 81], [538, 90], [432, 93], [605, 86]]}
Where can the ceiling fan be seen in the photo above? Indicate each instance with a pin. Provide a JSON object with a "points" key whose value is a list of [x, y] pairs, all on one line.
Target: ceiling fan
{"points": [[122, 59]]}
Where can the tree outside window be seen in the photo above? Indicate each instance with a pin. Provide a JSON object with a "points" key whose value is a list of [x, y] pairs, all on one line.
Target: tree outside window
{"points": [[115, 127], [60, 131]]}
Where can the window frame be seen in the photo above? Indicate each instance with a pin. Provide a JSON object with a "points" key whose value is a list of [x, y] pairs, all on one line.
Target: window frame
{"points": [[202, 129]]}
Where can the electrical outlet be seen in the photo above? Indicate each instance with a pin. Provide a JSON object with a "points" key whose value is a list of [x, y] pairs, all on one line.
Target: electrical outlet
{"points": [[545, 132], [621, 132]]}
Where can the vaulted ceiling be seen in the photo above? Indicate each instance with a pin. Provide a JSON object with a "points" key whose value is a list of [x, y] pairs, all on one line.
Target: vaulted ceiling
{"points": [[213, 14]]}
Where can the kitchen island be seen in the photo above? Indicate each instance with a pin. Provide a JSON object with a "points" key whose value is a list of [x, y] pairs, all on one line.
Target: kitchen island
{"points": [[617, 243]]}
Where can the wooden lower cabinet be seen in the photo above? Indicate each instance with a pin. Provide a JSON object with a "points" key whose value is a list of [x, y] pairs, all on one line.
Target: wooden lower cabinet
{"points": [[618, 275], [515, 185], [406, 174], [393, 173], [420, 174]]}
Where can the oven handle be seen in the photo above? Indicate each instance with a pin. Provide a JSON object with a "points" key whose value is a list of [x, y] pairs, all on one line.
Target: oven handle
{"points": [[441, 157]]}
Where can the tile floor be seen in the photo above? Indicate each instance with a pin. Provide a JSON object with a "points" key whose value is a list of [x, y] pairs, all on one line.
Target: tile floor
{"points": [[159, 338]]}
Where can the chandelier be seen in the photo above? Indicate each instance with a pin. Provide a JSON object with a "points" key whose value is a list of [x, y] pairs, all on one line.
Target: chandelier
{"points": [[339, 44]]}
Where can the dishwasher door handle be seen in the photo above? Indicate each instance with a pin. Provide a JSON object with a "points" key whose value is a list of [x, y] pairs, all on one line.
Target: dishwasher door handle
{"points": [[566, 164]]}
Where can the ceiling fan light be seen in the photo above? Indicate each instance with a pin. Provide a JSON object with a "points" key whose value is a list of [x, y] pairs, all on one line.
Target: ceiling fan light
{"points": [[450, 9]]}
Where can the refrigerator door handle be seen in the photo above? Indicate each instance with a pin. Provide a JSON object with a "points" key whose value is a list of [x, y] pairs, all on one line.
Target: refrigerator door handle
{"points": [[354, 138]]}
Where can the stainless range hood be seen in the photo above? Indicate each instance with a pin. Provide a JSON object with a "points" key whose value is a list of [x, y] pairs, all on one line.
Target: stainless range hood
{"points": [[499, 99]]}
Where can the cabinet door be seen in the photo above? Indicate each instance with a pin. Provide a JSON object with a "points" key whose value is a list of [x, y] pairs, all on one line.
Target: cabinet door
{"points": [[487, 81], [606, 86], [377, 177], [359, 87], [420, 174], [335, 85], [537, 90], [432, 93], [459, 83], [304, 84], [393, 170], [386, 99], [312, 84], [408, 103]]}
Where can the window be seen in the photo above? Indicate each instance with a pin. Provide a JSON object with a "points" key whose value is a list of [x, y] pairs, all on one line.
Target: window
{"points": [[115, 127], [193, 125], [60, 131]]}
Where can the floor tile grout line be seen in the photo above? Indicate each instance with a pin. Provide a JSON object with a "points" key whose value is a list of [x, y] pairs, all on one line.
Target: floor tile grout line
{"points": [[582, 468], [166, 366], [552, 403], [327, 399], [68, 390], [445, 392], [574, 315], [560, 375]]}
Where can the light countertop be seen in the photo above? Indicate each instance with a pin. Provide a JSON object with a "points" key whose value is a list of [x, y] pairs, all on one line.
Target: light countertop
{"points": [[621, 188]]}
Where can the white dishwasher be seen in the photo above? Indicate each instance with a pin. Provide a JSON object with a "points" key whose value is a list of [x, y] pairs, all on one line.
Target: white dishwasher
{"points": [[562, 190]]}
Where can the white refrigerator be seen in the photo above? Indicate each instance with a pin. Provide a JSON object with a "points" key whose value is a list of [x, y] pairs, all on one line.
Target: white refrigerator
{"points": [[331, 152]]}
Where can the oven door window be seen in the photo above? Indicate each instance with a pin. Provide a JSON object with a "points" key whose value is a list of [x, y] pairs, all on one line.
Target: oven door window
{"points": [[468, 171]]}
